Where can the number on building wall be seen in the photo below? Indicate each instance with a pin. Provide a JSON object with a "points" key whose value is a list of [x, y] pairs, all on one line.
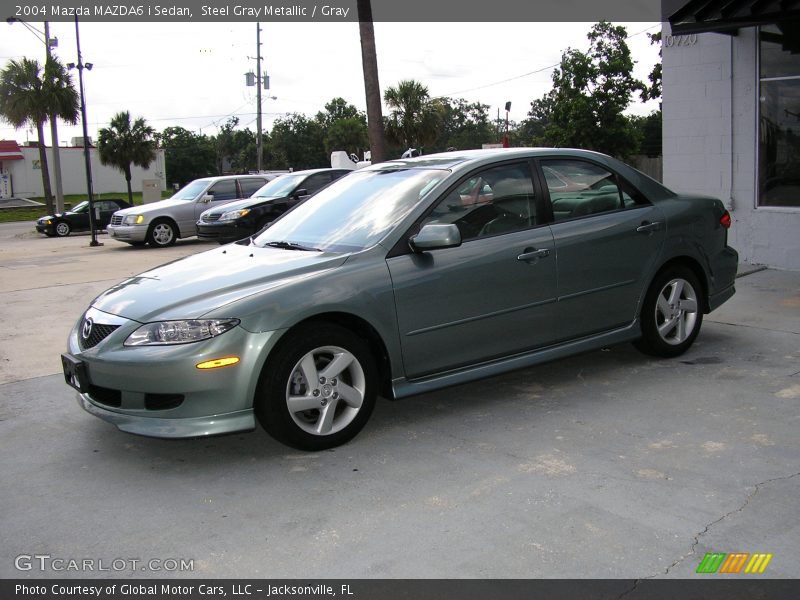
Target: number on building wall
{"points": [[680, 40]]}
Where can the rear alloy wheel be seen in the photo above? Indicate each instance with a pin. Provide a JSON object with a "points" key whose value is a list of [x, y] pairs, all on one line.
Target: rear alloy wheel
{"points": [[62, 229], [161, 234], [318, 389], [672, 313]]}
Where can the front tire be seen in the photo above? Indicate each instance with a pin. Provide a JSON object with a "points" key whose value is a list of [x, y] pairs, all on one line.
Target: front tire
{"points": [[318, 388], [161, 234], [63, 229], [672, 313]]}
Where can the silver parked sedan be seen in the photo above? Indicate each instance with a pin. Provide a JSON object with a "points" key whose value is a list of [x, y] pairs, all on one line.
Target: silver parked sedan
{"points": [[402, 278]]}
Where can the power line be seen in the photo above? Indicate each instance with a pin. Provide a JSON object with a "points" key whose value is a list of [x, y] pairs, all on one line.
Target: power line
{"points": [[481, 87]]}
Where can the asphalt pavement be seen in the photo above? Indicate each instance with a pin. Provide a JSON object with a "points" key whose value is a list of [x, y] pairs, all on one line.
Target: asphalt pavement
{"points": [[607, 464]]}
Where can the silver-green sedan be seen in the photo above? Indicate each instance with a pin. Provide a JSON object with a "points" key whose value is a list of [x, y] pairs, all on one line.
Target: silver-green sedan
{"points": [[398, 279]]}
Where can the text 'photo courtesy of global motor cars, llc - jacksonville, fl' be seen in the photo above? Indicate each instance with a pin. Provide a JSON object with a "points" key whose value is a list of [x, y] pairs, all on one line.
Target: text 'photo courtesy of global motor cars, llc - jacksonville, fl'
{"points": [[402, 278]]}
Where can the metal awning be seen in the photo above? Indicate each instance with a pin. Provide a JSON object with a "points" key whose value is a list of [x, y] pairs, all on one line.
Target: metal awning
{"points": [[10, 150], [728, 16]]}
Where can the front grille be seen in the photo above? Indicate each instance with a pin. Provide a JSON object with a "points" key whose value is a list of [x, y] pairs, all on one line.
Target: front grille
{"points": [[97, 332], [116, 219], [210, 218]]}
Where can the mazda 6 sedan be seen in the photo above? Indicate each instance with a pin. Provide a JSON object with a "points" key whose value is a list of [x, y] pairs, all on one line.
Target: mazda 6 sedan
{"points": [[402, 278]]}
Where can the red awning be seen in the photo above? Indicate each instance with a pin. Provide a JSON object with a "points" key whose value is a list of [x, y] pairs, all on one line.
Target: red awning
{"points": [[9, 150]]}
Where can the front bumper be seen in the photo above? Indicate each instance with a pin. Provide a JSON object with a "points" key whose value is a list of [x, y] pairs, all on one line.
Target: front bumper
{"points": [[128, 233], [224, 232], [46, 229], [243, 420], [158, 391]]}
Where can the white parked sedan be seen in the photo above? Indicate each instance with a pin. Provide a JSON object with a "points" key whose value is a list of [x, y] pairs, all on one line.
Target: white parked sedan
{"points": [[161, 223]]}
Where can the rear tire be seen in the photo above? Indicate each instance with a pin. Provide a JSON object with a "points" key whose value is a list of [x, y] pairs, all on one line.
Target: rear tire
{"points": [[318, 388], [161, 234], [672, 313]]}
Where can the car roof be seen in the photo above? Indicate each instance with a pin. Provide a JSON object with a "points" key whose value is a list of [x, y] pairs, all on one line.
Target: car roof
{"points": [[247, 176], [464, 160], [312, 171]]}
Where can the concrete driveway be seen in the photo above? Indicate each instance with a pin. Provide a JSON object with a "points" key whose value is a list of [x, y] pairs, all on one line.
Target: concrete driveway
{"points": [[609, 464]]}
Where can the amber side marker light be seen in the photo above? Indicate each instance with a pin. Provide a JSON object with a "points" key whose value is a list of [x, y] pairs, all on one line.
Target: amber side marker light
{"points": [[725, 221], [218, 362]]}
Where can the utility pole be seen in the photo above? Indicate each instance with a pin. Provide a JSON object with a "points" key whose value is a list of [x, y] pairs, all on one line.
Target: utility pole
{"points": [[259, 145], [54, 134], [258, 79]]}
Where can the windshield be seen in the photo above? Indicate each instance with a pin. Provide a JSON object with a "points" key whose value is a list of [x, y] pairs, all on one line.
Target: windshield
{"points": [[354, 212], [282, 186], [190, 191], [80, 207]]}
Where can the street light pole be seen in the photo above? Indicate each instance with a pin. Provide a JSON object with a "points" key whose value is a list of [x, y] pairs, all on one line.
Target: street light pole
{"points": [[86, 155]]}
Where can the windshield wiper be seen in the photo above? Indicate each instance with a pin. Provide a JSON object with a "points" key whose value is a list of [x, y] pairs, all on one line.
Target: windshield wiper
{"points": [[292, 246]]}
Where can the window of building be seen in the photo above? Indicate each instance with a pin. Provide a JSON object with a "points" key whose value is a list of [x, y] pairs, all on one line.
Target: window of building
{"points": [[779, 119]]}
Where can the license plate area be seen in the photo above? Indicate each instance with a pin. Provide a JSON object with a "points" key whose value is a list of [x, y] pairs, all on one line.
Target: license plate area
{"points": [[75, 373]]}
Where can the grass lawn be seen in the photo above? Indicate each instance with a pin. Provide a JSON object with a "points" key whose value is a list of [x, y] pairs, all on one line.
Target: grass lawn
{"points": [[31, 214]]}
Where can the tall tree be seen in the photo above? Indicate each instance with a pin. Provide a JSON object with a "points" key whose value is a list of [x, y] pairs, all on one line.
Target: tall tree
{"points": [[415, 119], [344, 127], [372, 88], [464, 125], [187, 155], [124, 143], [300, 140], [590, 92], [32, 95]]}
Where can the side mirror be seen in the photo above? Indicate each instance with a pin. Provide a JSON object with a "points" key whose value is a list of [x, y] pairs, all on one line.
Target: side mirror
{"points": [[207, 198], [300, 193], [434, 237]]}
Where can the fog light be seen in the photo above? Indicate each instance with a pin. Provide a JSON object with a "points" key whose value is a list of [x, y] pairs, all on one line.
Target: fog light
{"points": [[219, 362]]}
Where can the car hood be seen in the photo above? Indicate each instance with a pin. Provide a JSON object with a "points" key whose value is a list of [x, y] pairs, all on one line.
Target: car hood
{"points": [[191, 287], [56, 216], [153, 207], [246, 203]]}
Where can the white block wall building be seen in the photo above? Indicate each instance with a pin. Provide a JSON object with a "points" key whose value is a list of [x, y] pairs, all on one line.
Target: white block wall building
{"points": [[25, 174], [731, 127]]}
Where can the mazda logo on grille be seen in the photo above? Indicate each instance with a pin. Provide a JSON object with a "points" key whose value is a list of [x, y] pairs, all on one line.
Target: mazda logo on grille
{"points": [[87, 328]]}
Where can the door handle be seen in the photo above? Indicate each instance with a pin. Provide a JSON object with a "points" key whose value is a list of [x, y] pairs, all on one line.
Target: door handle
{"points": [[531, 254], [646, 227]]}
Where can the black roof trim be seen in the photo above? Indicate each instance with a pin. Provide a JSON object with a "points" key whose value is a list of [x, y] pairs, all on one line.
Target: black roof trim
{"points": [[728, 16]]}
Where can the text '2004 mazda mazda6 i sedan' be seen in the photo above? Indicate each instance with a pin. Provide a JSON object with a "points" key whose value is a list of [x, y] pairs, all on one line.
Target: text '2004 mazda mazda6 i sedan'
{"points": [[402, 278]]}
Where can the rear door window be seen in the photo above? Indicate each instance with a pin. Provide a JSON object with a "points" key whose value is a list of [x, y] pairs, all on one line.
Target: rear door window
{"points": [[578, 188]]}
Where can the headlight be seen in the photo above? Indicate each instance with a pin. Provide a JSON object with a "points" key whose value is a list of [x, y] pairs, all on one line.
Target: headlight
{"points": [[133, 220], [234, 214], [179, 332], [48, 222]]}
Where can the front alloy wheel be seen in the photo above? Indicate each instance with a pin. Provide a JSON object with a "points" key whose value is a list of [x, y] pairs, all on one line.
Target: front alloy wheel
{"points": [[62, 229], [161, 234], [671, 314], [318, 388], [326, 390]]}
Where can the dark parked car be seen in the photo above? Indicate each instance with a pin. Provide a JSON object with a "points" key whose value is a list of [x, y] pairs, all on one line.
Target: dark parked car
{"points": [[402, 278], [77, 219], [241, 219]]}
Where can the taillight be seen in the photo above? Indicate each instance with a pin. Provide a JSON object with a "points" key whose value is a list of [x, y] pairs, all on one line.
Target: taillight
{"points": [[725, 221]]}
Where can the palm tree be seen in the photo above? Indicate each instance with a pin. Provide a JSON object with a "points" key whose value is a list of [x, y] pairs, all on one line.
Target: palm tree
{"points": [[415, 118], [123, 143], [372, 88], [29, 96]]}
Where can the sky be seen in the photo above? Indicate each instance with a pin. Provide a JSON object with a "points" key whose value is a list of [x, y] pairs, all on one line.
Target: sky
{"points": [[192, 74]]}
